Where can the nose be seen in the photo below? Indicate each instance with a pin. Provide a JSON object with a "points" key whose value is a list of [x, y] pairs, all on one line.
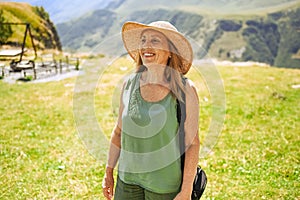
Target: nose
{"points": [[146, 44]]}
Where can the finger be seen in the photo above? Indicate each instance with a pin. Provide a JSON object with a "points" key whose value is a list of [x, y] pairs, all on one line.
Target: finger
{"points": [[111, 192], [107, 192]]}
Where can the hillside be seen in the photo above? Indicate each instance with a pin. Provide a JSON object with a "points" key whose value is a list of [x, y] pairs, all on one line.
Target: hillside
{"points": [[66, 10], [272, 39], [214, 7], [269, 37], [87, 32], [43, 30]]}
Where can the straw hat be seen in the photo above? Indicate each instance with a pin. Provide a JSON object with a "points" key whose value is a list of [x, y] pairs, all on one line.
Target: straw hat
{"points": [[131, 32]]}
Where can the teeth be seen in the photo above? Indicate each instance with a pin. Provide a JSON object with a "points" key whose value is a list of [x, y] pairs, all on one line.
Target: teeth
{"points": [[148, 54]]}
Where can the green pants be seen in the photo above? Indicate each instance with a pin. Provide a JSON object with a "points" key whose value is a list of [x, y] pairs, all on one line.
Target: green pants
{"points": [[134, 192]]}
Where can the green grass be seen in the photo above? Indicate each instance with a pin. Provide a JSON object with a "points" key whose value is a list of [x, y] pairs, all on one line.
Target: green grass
{"points": [[256, 157]]}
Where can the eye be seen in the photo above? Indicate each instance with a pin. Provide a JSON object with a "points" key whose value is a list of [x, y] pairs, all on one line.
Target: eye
{"points": [[143, 40], [155, 41]]}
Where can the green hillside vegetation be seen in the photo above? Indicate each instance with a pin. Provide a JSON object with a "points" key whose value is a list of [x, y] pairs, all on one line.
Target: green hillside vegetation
{"points": [[270, 36], [43, 30], [210, 7], [85, 33], [5, 31], [256, 155]]}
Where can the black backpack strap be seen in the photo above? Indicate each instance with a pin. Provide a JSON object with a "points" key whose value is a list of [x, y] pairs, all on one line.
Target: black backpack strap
{"points": [[181, 116], [200, 178]]}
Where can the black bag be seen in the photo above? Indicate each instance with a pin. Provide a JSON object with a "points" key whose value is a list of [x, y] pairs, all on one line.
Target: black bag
{"points": [[200, 180], [199, 184]]}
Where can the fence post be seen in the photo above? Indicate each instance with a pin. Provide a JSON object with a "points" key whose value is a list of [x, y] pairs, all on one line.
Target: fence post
{"points": [[34, 73], [34, 70], [55, 66], [60, 66], [2, 67], [77, 64], [67, 61]]}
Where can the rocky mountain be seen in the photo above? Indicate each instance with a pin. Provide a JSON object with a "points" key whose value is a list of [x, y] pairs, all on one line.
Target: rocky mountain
{"points": [[264, 31], [270, 35], [42, 29], [66, 10]]}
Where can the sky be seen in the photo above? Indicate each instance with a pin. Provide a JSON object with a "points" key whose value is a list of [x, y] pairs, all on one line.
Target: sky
{"points": [[65, 10]]}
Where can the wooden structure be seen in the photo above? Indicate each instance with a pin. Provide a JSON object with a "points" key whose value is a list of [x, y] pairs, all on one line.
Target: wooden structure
{"points": [[11, 54], [31, 68]]}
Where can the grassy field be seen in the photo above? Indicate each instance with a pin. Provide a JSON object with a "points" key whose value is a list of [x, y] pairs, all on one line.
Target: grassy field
{"points": [[44, 153]]}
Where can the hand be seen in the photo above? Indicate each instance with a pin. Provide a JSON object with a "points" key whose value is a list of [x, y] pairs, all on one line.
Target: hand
{"points": [[108, 185], [183, 196]]}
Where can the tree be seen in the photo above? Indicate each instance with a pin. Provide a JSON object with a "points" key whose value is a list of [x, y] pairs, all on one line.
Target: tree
{"points": [[5, 29]]}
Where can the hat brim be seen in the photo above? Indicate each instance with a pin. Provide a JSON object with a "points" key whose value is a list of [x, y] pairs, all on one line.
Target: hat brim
{"points": [[131, 32]]}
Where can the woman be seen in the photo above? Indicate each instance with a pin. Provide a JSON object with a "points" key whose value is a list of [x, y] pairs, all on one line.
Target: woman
{"points": [[145, 138]]}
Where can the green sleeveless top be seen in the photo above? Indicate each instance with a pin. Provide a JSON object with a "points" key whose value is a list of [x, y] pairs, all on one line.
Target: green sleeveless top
{"points": [[150, 155]]}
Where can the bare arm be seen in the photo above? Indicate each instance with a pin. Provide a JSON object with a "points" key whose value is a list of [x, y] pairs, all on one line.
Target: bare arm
{"points": [[115, 146], [191, 142], [113, 156]]}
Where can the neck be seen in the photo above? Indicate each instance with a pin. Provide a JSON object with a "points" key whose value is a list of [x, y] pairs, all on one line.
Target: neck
{"points": [[154, 75]]}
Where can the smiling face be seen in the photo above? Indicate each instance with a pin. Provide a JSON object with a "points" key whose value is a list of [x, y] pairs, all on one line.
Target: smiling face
{"points": [[154, 48]]}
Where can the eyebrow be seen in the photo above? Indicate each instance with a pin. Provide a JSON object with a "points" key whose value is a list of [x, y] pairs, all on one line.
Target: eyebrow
{"points": [[154, 35]]}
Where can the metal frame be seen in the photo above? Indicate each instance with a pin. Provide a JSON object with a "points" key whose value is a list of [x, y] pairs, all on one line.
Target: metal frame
{"points": [[24, 38]]}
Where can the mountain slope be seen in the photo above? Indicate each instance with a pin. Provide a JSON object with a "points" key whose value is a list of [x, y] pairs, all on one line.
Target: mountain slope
{"points": [[85, 33], [43, 30], [66, 10], [209, 6], [271, 39]]}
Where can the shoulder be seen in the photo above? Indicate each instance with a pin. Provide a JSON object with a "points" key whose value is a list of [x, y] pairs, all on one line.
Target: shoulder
{"points": [[189, 83], [130, 76], [128, 80], [191, 91], [190, 86]]}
